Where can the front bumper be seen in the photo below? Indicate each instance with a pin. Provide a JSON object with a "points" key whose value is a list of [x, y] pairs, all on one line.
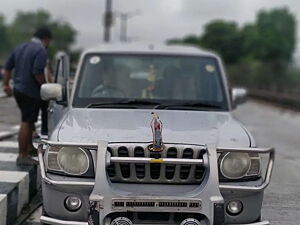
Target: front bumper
{"points": [[103, 193], [48, 220]]}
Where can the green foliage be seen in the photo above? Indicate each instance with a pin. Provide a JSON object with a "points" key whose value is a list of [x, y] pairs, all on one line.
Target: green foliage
{"points": [[189, 40], [24, 25], [63, 36], [277, 35], [224, 38], [3, 37], [258, 54], [271, 38]]}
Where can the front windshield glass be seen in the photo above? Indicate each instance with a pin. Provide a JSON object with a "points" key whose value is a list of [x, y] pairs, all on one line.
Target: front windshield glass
{"points": [[161, 78]]}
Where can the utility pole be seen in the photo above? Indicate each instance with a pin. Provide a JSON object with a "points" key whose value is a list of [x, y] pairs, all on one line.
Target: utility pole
{"points": [[124, 17], [108, 18], [123, 29]]}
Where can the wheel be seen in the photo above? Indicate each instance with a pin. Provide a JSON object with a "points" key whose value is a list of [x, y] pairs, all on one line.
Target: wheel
{"points": [[258, 220]]}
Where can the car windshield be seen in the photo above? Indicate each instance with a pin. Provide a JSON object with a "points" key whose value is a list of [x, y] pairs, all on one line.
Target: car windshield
{"points": [[144, 81]]}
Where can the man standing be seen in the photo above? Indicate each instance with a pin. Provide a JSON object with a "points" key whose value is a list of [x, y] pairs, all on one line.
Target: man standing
{"points": [[28, 60]]}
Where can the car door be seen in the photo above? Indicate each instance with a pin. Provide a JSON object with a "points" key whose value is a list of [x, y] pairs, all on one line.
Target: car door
{"points": [[57, 109]]}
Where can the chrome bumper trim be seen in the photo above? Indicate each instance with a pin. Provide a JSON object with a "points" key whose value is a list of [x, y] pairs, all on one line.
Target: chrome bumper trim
{"points": [[267, 178], [51, 221], [257, 223], [153, 160], [48, 220], [262, 186]]}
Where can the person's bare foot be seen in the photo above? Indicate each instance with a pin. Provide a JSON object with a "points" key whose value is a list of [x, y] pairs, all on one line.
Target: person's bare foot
{"points": [[26, 161]]}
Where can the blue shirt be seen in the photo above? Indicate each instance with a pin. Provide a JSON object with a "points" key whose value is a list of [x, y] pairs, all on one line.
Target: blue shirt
{"points": [[28, 59]]}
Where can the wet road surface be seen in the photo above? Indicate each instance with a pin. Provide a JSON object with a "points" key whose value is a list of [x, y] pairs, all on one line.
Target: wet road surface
{"points": [[279, 128]]}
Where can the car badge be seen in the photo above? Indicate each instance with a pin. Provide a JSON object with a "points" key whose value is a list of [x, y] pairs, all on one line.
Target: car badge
{"points": [[156, 125]]}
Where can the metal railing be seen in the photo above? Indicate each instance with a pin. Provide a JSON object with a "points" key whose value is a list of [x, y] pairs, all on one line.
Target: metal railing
{"points": [[263, 185], [268, 174]]}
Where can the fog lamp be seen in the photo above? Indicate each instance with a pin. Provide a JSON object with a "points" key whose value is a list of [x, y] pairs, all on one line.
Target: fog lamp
{"points": [[73, 203], [234, 207]]}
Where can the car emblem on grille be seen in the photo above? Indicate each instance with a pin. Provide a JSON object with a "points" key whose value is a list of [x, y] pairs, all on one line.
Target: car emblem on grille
{"points": [[156, 125]]}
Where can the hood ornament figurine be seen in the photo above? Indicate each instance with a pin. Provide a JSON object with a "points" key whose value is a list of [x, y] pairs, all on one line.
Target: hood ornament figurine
{"points": [[156, 125]]}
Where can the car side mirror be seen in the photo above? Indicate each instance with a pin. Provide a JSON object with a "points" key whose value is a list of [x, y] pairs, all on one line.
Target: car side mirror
{"points": [[239, 96], [52, 92]]}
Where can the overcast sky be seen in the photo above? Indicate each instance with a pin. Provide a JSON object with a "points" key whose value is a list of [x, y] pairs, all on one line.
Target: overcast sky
{"points": [[158, 21]]}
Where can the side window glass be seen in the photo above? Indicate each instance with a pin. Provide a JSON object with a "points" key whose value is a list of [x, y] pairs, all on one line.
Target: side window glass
{"points": [[59, 72]]}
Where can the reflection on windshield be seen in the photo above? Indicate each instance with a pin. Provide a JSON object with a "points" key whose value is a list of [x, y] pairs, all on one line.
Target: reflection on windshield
{"points": [[149, 77]]}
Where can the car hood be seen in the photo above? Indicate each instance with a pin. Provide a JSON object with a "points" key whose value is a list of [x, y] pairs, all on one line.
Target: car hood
{"points": [[128, 125]]}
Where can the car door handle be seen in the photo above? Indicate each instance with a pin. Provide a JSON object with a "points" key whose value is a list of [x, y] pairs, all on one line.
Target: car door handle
{"points": [[50, 110]]}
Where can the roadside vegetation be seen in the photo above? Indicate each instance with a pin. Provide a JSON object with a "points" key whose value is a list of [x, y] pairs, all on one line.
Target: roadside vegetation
{"points": [[23, 26], [257, 55]]}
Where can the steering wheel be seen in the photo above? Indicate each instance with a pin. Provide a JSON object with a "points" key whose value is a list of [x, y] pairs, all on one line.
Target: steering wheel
{"points": [[106, 91]]}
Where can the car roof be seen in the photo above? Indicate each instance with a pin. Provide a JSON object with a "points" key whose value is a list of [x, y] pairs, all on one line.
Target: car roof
{"points": [[143, 48]]}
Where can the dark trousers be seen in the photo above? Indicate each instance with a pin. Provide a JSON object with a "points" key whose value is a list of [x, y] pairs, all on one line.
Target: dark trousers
{"points": [[44, 108]]}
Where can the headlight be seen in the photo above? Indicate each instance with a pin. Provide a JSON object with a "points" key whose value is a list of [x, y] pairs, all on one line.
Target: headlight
{"points": [[235, 165], [73, 160], [70, 160]]}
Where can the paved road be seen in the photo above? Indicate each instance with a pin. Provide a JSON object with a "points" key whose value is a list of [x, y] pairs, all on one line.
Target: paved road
{"points": [[18, 184], [280, 128], [9, 113]]}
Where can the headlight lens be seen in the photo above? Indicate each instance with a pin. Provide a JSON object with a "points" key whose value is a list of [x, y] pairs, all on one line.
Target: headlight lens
{"points": [[235, 165], [73, 160]]}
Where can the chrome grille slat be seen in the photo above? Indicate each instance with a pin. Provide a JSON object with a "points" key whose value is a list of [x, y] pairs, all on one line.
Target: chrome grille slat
{"points": [[171, 168], [132, 165], [117, 165], [137, 170], [147, 177], [192, 172], [123, 151], [139, 167]]}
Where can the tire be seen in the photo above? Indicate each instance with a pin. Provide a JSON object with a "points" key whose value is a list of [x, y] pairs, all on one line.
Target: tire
{"points": [[258, 220]]}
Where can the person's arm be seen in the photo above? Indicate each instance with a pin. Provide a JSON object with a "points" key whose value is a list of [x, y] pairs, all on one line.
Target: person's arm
{"points": [[10, 64], [6, 86], [40, 78], [39, 65], [49, 75]]}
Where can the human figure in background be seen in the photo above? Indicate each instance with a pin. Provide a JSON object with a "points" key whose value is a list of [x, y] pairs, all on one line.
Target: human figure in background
{"points": [[28, 60], [45, 104], [44, 107]]}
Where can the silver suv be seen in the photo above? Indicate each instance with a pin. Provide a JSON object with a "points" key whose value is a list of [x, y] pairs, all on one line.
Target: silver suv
{"points": [[146, 136]]}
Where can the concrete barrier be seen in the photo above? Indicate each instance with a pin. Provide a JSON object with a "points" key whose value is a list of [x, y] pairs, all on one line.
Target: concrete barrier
{"points": [[282, 99], [18, 185]]}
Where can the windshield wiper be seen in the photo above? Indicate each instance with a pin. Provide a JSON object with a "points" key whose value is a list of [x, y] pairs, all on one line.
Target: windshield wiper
{"points": [[188, 105], [122, 103]]}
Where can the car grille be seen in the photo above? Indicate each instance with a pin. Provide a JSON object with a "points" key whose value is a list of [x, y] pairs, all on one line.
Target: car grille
{"points": [[156, 172], [140, 204]]}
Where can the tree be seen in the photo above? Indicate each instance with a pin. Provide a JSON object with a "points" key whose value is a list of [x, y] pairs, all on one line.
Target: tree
{"points": [[250, 38], [25, 23], [3, 37], [224, 38], [63, 36], [277, 35], [190, 40]]}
